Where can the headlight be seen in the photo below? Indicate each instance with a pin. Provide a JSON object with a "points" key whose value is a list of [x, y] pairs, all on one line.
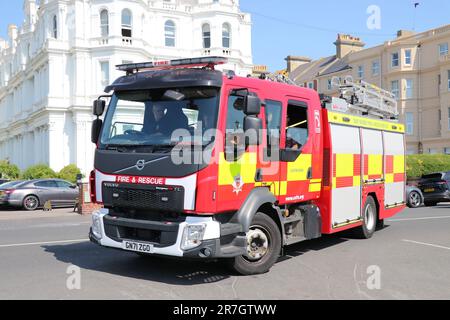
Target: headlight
{"points": [[97, 226], [192, 236]]}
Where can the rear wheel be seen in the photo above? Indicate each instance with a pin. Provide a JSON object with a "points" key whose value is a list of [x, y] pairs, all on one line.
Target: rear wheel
{"points": [[414, 199], [263, 247], [367, 230], [30, 203]]}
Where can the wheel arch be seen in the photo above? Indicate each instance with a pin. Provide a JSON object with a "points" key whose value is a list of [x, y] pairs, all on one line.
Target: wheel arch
{"points": [[258, 199], [377, 202]]}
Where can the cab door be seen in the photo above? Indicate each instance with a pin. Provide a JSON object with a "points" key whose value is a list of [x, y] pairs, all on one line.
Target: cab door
{"points": [[298, 168], [239, 165]]}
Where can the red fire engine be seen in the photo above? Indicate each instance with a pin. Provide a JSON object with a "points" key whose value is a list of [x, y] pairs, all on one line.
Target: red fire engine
{"points": [[194, 162]]}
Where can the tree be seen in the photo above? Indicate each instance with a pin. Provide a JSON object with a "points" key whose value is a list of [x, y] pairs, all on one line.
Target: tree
{"points": [[9, 171], [69, 173]]}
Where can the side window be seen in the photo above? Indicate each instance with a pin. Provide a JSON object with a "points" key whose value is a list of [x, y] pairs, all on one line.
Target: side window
{"points": [[46, 184], [234, 132], [235, 115], [297, 125], [273, 111], [63, 184]]}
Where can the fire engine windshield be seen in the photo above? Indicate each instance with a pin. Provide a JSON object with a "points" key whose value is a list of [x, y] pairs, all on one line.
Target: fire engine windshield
{"points": [[160, 117]]}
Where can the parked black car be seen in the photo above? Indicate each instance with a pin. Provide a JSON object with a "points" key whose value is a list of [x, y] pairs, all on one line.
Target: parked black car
{"points": [[414, 197], [435, 188]]}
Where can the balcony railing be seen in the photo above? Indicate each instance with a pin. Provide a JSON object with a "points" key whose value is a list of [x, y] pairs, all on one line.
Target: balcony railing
{"points": [[444, 58]]}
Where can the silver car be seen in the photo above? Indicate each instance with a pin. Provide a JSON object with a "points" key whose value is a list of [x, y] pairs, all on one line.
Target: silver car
{"points": [[33, 194]]}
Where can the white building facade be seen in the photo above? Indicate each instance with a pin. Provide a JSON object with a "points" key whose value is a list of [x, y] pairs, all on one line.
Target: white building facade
{"points": [[60, 60]]}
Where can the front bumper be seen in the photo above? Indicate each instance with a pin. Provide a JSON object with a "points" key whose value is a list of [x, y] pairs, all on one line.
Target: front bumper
{"points": [[219, 240]]}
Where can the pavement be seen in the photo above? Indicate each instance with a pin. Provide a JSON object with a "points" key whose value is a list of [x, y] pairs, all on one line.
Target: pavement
{"points": [[48, 256]]}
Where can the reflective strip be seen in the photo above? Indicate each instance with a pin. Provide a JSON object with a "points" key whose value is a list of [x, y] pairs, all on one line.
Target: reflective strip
{"points": [[354, 121], [315, 187], [298, 170]]}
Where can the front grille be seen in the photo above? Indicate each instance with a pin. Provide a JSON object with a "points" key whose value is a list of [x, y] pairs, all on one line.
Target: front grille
{"points": [[122, 229], [170, 199]]}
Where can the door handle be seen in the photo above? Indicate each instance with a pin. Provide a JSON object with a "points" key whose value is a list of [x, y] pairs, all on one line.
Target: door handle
{"points": [[258, 175], [309, 176]]}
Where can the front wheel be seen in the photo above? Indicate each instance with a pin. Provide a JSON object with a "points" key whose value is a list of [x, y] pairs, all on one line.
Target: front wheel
{"points": [[367, 230], [263, 247]]}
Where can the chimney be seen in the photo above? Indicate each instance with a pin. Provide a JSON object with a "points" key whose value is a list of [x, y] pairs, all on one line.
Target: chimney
{"points": [[404, 33], [12, 32], [346, 43], [294, 62]]}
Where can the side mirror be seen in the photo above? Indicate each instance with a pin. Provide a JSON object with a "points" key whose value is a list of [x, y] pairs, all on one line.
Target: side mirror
{"points": [[96, 128], [99, 107], [252, 105], [253, 128]]}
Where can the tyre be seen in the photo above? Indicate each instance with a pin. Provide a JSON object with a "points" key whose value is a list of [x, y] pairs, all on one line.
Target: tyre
{"points": [[370, 216], [30, 203], [414, 199], [263, 247], [430, 204]]}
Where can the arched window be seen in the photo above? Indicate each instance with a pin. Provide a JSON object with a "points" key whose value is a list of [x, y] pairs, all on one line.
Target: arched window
{"points": [[170, 33], [55, 27], [206, 33], [226, 35], [127, 23], [104, 23]]}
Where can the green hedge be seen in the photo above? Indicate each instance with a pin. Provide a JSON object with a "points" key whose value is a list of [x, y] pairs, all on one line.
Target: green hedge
{"points": [[9, 171], [418, 165]]}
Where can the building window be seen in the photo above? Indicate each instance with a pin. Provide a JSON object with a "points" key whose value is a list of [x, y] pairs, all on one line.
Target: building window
{"points": [[447, 150], [170, 32], [375, 68], [127, 23], [448, 80], [104, 23], [104, 69], [409, 119], [206, 33], [443, 49], [330, 84], [55, 27], [409, 88], [226, 35], [448, 118], [408, 57], [311, 85], [395, 88], [361, 72], [395, 60]]}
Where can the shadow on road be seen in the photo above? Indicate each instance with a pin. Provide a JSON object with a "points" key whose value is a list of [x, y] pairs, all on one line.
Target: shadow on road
{"points": [[127, 264]]}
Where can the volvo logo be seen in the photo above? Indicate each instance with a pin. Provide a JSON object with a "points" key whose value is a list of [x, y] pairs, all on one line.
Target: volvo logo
{"points": [[140, 165]]}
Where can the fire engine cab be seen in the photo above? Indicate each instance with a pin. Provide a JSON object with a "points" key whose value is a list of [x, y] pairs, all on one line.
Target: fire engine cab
{"points": [[193, 162]]}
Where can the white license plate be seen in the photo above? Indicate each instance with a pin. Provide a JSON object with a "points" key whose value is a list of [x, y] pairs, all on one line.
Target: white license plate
{"points": [[138, 247]]}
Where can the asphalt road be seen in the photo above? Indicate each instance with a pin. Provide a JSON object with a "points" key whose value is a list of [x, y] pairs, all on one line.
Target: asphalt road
{"points": [[409, 259]]}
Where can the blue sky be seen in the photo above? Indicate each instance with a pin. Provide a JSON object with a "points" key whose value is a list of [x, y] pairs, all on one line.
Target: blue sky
{"points": [[309, 28]]}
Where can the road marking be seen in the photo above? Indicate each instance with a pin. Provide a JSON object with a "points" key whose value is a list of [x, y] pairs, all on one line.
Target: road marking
{"points": [[427, 244], [415, 219], [41, 243]]}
